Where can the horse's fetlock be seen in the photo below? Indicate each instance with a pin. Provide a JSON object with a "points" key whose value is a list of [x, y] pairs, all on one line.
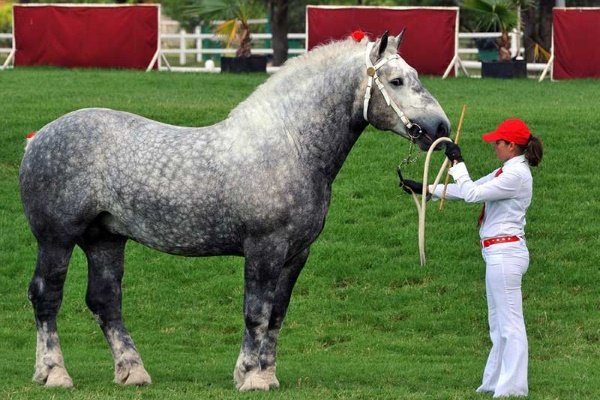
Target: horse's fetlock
{"points": [[248, 366]]}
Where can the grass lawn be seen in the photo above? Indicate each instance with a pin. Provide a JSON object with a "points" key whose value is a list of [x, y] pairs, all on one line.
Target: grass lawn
{"points": [[365, 320]]}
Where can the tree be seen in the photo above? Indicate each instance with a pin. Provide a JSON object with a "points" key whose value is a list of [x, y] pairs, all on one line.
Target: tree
{"points": [[278, 14], [236, 15], [494, 15]]}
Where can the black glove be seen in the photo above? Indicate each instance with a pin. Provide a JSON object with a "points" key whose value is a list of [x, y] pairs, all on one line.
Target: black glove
{"points": [[453, 152], [407, 185], [412, 186]]}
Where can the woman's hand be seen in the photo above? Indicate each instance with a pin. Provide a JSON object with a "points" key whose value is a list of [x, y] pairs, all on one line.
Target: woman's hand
{"points": [[453, 152], [412, 186], [408, 185]]}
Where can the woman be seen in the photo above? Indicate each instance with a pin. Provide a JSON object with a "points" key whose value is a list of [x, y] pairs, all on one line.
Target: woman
{"points": [[506, 194]]}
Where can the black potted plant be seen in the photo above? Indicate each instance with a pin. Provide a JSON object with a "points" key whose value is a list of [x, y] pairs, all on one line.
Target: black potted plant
{"points": [[235, 30], [502, 15]]}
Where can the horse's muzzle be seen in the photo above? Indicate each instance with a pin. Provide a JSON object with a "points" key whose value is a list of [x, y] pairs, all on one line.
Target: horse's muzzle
{"points": [[430, 133], [443, 130]]}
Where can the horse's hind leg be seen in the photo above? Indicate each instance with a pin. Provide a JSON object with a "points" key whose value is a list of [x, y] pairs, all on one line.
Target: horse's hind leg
{"points": [[264, 263], [45, 294], [285, 285], [105, 254]]}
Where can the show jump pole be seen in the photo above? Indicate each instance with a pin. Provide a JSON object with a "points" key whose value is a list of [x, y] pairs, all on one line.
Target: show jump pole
{"points": [[456, 138]]}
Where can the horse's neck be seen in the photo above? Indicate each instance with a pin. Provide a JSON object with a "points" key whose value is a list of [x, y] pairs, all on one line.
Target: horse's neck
{"points": [[320, 113], [330, 140]]}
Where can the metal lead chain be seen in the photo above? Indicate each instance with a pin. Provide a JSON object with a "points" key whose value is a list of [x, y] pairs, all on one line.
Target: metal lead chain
{"points": [[410, 158]]}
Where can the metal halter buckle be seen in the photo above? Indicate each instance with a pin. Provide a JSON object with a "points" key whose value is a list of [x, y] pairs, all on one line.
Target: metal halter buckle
{"points": [[415, 131]]}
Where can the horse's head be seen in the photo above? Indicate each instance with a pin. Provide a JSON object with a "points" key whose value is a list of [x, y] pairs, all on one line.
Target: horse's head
{"points": [[398, 101]]}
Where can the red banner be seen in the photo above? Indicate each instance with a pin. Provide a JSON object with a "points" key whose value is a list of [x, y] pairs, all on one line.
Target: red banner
{"points": [[429, 41], [576, 50], [86, 36]]}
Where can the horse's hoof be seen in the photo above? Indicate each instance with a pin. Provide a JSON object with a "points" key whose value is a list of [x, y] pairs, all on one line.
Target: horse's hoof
{"points": [[255, 381], [41, 375], [238, 377], [269, 376], [133, 375], [58, 377], [239, 372], [274, 383]]}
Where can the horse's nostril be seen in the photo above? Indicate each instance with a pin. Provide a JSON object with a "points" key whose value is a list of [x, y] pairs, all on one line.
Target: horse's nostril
{"points": [[442, 130]]}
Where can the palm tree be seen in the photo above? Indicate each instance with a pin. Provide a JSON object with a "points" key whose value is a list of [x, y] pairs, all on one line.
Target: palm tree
{"points": [[236, 15], [502, 15]]}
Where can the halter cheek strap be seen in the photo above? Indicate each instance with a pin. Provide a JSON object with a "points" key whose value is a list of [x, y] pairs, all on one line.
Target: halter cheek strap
{"points": [[414, 130]]}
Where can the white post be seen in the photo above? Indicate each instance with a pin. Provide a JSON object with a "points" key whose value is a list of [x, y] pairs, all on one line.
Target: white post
{"points": [[198, 44], [550, 65], [182, 60], [8, 59], [158, 41], [450, 66], [514, 37], [547, 68], [518, 55], [14, 45]]}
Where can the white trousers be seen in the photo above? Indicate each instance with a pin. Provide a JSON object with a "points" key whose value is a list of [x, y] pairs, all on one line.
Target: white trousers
{"points": [[505, 372]]}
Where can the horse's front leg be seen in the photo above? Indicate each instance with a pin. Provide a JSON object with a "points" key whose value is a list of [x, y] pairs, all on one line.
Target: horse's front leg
{"points": [[283, 292], [265, 258]]}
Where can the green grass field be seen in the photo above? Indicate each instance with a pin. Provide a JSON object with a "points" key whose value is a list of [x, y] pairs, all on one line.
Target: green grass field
{"points": [[365, 320]]}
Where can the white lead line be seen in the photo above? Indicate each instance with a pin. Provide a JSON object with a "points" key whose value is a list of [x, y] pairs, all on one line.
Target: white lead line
{"points": [[421, 208]]}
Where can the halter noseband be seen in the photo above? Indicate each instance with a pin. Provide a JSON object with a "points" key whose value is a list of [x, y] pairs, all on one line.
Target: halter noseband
{"points": [[414, 130]]}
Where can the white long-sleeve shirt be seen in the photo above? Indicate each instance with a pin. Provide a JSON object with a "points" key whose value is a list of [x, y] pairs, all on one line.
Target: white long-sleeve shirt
{"points": [[506, 196]]}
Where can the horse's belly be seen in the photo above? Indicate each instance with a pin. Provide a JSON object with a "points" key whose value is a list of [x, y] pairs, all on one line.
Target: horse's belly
{"points": [[189, 238]]}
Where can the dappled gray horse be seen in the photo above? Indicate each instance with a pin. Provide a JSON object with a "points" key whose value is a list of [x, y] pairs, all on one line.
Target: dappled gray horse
{"points": [[257, 185]]}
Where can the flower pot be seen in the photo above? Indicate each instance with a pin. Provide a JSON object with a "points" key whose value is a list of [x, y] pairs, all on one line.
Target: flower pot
{"points": [[504, 69], [487, 49], [244, 64]]}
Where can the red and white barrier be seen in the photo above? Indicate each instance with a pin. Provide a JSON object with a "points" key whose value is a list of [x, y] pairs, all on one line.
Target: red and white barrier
{"points": [[430, 42], [575, 50], [91, 35]]}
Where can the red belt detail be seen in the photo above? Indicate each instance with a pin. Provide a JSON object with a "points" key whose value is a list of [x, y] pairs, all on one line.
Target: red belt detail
{"points": [[500, 239]]}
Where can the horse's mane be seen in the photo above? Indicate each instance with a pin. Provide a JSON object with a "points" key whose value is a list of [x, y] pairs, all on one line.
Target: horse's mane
{"points": [[334, 56], [322, 54]]}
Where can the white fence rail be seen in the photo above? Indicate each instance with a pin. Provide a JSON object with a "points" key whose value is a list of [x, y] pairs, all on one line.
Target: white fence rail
{"points": [[189, 47], [184, 44], [5, 37]]}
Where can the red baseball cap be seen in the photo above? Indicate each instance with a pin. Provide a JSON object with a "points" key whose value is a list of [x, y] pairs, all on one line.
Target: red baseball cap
{"points": [[512, 130]]}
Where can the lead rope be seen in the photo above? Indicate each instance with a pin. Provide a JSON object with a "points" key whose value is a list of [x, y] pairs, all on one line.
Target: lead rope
{"points": [[421, 208]]}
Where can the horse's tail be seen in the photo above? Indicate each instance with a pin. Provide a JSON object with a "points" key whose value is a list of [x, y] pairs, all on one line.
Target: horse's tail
{"points": [[29, 139]]}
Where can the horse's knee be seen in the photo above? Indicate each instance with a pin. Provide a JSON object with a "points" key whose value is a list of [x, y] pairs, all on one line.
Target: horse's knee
{"points": [[36, 290], [93, 303], [102, 301], [44, 298], [103, 296]]}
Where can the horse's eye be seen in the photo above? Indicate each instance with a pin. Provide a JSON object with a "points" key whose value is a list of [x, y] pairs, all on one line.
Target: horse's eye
{"points": [[397, 82]]}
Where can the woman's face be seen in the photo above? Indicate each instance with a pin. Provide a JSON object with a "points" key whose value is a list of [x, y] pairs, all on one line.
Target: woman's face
{"points": [[505, 150]]}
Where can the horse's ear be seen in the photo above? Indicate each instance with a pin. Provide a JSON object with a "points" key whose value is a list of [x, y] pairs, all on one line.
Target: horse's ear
{"points": [[383, 42], [399, 38]]}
